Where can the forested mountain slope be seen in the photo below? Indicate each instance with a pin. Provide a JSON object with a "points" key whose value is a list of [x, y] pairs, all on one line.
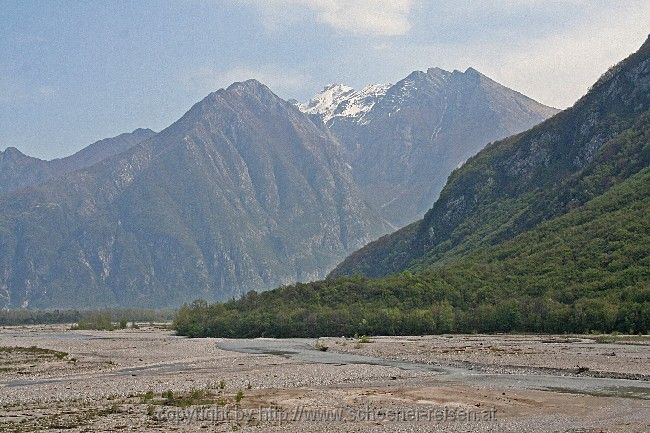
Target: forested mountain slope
{"points": [[586, 270]]}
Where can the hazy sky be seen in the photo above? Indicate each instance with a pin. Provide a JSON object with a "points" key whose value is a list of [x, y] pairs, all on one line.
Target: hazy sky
{"points": [[73, 72]]}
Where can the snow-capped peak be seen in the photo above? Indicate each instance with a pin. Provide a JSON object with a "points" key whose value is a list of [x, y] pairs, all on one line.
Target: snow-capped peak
{"points": [[341, 100], [325, 102]]}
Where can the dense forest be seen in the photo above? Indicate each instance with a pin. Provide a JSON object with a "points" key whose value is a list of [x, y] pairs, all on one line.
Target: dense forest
{"points": [[586, 271], [44, 317]]}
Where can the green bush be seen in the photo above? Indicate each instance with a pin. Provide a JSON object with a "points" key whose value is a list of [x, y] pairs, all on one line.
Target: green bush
{"points": [[99, 321]]}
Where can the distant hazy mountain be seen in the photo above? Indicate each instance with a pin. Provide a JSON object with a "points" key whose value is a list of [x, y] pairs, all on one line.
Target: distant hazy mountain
{"points": [[243, 192], [18, 170], [404, 140]]}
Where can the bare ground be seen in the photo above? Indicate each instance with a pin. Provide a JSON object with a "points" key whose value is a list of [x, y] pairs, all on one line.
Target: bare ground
{"points": [[120, 380]]}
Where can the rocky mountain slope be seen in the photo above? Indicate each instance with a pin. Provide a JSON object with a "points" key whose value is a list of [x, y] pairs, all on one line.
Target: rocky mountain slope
{"points": [[404, 140], [517, 183], [18, 170], [243, 192]]}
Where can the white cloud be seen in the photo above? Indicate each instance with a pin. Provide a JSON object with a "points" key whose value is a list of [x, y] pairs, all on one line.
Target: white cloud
{"points": [[281, 81], [363, 17], [380, 17], [559, 68]]}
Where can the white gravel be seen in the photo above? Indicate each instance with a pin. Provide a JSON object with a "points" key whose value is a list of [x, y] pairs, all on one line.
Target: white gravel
{"points": [[102, 389]]}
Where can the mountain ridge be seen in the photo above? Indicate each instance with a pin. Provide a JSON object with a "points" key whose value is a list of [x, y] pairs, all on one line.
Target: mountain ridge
{"points": [[18, 170], [545, 231]]}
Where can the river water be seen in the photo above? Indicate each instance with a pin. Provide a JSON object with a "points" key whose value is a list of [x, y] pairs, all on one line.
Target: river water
{"points": [[304, 350]]}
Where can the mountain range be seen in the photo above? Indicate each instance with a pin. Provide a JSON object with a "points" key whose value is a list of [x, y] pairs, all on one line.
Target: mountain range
{"points": [[245, 192], [544, 231]]}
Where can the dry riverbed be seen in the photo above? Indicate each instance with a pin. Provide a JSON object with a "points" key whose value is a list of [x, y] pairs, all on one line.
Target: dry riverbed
{"points": [[147, 379]]}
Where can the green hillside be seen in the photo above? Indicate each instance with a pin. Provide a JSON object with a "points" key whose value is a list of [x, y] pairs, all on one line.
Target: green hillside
{"points": [[516, 183]]}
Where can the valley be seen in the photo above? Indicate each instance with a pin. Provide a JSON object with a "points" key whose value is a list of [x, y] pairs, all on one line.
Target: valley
{"points": [[343, 216]]}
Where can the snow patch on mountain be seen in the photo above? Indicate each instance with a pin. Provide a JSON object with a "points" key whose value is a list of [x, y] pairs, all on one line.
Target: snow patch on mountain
{"points": [[339, 100], [359, 103], [325, 102]]}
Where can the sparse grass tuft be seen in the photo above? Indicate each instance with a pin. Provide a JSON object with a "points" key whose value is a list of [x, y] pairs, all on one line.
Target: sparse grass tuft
{"points": [[320, 346], [37, 352], [193, 398], [148, 396], [622, 339]]}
